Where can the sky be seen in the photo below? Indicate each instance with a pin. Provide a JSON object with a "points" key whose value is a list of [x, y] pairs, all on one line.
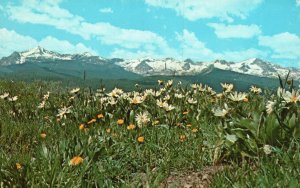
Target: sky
{"points": [[201, 30]]}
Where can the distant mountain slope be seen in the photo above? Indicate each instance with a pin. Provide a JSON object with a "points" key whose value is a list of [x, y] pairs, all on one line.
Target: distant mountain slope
{"points": [[48, 62]]}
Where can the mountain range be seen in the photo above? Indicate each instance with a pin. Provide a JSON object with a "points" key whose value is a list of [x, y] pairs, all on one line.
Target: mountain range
{"points": [[149, 66]]}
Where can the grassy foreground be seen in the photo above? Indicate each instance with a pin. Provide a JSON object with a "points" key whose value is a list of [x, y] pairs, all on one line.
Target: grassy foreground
{"points": [[174, 136]]}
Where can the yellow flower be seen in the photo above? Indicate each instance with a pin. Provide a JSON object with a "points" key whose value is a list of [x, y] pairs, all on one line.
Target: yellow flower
{"points": [[43, 135], [182, 138], [141, 139], [189, 125], [185, 113], [120, 121], [100, 116], [18, 166], [108, 130], [131, 127], [156, 122], [76, 161], [194, 130], [92, 121], [81, 126]]}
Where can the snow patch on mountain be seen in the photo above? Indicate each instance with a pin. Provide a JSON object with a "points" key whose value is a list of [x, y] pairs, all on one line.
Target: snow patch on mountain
{"points": [[151, 66]]}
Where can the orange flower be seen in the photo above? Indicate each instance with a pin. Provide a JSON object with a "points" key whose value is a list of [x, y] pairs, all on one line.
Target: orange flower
{"points": [[18, 166], [81, 126], [120, 122], [131, 127], [182, 138], [100, 116], [185, 113], [76, 161], [194, 130], [141, 139], [43, 135], [108, 130], [92, 121]]}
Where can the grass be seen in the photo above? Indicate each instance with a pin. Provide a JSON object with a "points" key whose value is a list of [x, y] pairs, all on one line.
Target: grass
{"points": [[38, 144]]}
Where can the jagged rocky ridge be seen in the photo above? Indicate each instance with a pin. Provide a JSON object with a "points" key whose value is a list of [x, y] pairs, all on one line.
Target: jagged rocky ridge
{"points": [[150, 66]]}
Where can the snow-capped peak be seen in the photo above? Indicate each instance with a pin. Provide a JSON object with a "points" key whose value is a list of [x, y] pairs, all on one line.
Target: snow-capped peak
{"points": [[87, 54], [37, 51]]}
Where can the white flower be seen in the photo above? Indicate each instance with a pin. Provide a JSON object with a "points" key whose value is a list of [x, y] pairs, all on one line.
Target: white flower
{"points": [[227, 87], [149, 92], [270, 106], [4, 95], [255, 90], [221, 112], [169, 83], [142, 119], [157, 93], [136, 99], [237, 96], [101, 90], [112, 101], [42, 104], [291, 97], [75, 90], [160, 82], [194, 86], [179, 96], [167, 97], [168, 107], [63, 111], [192, 101], [267, 149], [46, 96], [219, 95], [116, 92], [12, 99], [160, 103], [201, 88], [162, 90], [231, 138], [209, 89]]}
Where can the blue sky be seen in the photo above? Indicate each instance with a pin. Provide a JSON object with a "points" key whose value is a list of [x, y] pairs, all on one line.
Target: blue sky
{"points": [[202, 30]]}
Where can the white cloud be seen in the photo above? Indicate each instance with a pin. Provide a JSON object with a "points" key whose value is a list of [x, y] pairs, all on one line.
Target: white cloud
{"points": [[64, 46], [235, 31], [41, 12], [297, 2], [243, 54], [198, 9], [192, 47], [12, 41], [106, 10], [128, 54], [284, 45], [47, 13]]}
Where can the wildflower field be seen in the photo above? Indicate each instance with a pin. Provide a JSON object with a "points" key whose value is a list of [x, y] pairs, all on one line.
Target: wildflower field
{"points": [[173, 135]]}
